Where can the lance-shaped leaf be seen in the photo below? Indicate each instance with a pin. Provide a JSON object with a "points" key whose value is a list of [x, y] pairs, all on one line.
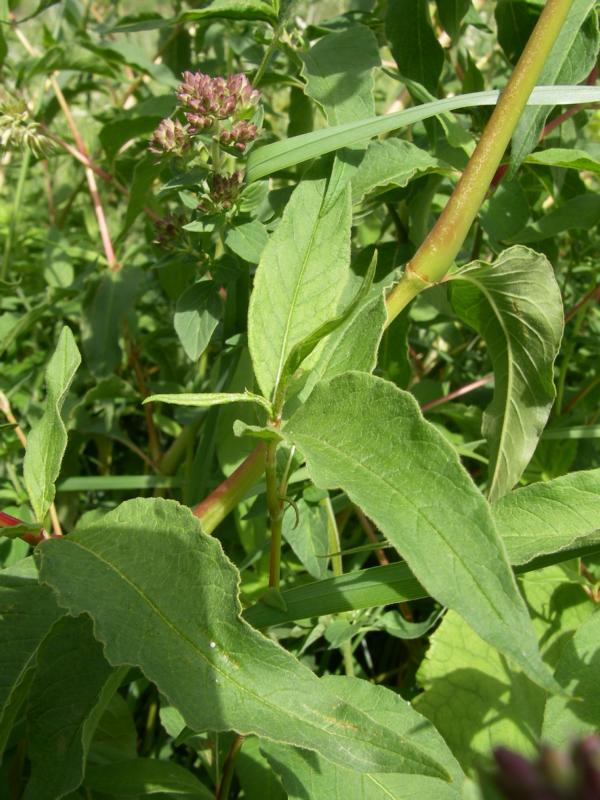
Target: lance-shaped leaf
{"points": [[205, 400], [307, 776], [48, 439], [368, 437], [72, 687], [163, 596], [27, 613], [549, 517], [299, 280], [515, 305], [280, 155]]}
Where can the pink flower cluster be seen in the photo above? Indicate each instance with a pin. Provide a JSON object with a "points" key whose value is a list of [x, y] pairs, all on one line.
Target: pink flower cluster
{"points": [[208, 99], [170, 137]]}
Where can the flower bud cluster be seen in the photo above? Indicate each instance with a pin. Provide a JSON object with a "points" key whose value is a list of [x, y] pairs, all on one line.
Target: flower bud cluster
{"points": [[221, 193], [170, 137], [18, 131], [553, 775]]}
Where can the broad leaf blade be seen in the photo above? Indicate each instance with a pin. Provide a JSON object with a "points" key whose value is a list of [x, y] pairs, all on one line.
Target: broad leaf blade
{"points": [[48, 439], [72, 687], [414, 45], [366, 436], [164, 597], [197, 314], [144, 777], [307, 776], [515, 304], [299, 279], [549, 517], [27, 613]]}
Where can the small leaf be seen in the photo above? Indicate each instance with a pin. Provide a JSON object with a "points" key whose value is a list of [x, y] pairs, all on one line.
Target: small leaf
{"points": [[147, 566], [566, 158], [293, 293], [241, 428], [364, 435], [197, 314], [306, 533], [516, 305], [248, 240], [48, 438], [551, 516], [207, 400], [230, 9]]}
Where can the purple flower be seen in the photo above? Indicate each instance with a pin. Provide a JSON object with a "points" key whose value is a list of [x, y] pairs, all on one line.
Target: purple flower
{"points": [[208, 99], [239, 135], [170, 137]]}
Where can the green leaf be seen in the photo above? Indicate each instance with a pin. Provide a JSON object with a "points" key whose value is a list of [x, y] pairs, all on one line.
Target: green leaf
{"points": [[72, 687], [25, 322], [257, 780], [578, 671], [414, 45], [197, 314], [571, 59], [27, 613], [567, 158], [362, 434], [451, 13], [230, 9], [241, 428], [164, 597], [306, 533], [392, 162], [42, 6], [308, 776], [549, 517], [48, 438], [145, 173], [144, 777], [305, 347], [103, 314], [4, 21], [293, 293], [248, 240], [580, 213], [207, 400], [280, 155], [515, 304], [115, 737]]}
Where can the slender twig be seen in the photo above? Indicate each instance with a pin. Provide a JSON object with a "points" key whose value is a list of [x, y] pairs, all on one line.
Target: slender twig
{"points": [[227, 774], [469, 387]]}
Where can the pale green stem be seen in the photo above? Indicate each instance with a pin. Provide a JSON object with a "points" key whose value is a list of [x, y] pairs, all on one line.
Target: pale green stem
{"points": [[437, 253]]}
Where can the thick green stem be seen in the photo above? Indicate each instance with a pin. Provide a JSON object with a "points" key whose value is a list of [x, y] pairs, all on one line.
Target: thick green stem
{"points": [[275, 509], [437, 253]]}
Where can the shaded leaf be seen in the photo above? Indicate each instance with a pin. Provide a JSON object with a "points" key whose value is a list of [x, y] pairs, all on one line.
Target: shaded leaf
{"points": [[414, 45], [182, 627], [579, 213], [364, 435], [197, 314], [516, 306], [306, 533], [145, 777], [248, 240], [47, 441]]}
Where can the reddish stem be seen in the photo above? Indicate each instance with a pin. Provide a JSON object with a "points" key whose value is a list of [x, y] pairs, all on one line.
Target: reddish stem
{"points": [[469, 387]]}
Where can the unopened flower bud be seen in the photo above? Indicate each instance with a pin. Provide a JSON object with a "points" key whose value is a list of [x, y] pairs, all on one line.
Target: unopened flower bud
{"points": [[170, 137], [239, 135]]}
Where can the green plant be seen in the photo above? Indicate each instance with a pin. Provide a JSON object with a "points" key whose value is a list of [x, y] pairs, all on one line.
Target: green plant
{"points": [[238, 559]]}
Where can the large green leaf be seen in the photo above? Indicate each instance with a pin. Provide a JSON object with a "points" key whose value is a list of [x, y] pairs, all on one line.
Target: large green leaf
{"points": [[515, 304], [27, 613], [571, 59], [568, 158], [72, 687], [578, 670], [414, 45], [145, 777], [307, 776], [48, 438], [366, 436], [473, 696], [164, 597], [280, 155], [551, 516], [299, 279]]}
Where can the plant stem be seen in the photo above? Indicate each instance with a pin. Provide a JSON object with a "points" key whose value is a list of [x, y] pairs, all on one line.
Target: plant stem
{"points": [[225, 782], [14, 218], [275, 508], [337, 567], [437, 253]]}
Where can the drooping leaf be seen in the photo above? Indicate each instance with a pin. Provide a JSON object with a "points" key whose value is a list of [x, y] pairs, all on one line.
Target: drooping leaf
{"points": [[548, 517], [48, 438], [515, 304], [272, 157], [578, 671], [145, 777], [27, 613], [414, 45], [72, 687], [308, 776], [566, 158], [391, 162], [571, 59], [197, 314], [293, 291], [163, 596], [207, 400], [364, 435]]}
